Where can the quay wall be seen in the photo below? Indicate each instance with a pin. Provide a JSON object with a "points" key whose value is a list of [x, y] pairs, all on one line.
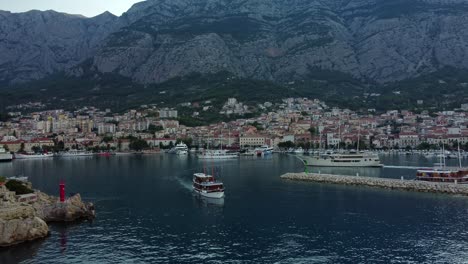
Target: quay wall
{"points": [[386, 183]]}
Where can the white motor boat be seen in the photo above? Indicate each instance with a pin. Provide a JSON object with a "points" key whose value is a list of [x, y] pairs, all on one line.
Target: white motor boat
{"points": [[207, 186]]}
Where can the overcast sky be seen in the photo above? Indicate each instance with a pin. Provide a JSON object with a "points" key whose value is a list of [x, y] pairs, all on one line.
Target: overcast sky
{"points": [[87, 8]]}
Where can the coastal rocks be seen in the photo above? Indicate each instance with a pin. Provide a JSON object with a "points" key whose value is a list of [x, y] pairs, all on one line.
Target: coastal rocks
{"points": [[386, 183], [21, 222], [73, 209]]}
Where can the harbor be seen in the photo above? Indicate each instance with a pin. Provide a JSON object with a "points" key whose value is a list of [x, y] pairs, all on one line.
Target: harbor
{"points": [[385, 183], [149, 200]]}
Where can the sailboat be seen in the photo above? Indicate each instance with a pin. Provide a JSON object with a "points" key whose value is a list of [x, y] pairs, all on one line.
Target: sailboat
{"points": [[219, 154], [444, 173]]}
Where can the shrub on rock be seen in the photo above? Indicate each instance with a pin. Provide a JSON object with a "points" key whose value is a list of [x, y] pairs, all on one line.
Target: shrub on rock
{"points": [[18, 187]]}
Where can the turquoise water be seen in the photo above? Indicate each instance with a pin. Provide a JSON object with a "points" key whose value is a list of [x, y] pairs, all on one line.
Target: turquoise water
{"points": [[147, 213]]}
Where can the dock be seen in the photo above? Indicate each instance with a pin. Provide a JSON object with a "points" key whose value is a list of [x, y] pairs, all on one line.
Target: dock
{"points": [[384, 183]]}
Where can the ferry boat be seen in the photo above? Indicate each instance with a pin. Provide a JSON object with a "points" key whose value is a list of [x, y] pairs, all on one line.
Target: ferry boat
{"points": [[75, 153], [450, 175], [33, 155], [217, 155], [343, 160], [207, 186], [5, 156]]}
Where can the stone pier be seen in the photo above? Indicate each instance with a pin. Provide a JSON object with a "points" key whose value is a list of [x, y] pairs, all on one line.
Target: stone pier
{"points": [[385, 183]]}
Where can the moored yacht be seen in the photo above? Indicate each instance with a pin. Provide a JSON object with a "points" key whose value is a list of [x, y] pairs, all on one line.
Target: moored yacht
{"points": [[343, 160], [263, 150], [299, 150], [5, 156], [179, 148], [217, 154], [75, 153], [33, 155], [208, 186]]}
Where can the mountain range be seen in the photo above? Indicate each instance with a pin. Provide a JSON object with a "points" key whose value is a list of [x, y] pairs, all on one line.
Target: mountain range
{"points": [[281, 41]]}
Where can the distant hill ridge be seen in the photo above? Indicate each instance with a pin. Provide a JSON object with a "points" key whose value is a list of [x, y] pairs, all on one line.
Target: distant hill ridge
{"points": [[379, 41]]}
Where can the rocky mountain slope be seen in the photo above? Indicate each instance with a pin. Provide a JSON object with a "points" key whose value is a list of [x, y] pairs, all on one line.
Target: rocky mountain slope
{"points": [[381, 40], [277, 40], [36, 44]]}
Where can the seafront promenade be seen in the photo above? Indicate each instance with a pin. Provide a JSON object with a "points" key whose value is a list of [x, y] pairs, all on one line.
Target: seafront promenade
{"points": [[385, 183]]}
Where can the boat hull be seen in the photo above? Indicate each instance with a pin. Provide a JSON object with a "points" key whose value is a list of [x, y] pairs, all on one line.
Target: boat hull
{"points": [[216, 195], [6, 157], [218, 157], [322, 162], [45, 156]]}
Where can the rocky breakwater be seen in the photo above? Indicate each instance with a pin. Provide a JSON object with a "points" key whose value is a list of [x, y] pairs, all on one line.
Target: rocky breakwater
{"points": [[386, 183], [24, 217]]}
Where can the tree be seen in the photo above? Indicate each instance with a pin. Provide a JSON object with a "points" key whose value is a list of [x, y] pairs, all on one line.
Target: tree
{"points": [[6, 147], [107, 139], [312, 130], [119, 144], [287, 144], [138, 144], [21, 147], [60, 145], [153, 128], [424, 146], [36, 149]]}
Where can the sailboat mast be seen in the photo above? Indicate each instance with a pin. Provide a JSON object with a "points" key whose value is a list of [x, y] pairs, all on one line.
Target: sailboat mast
{"points": [[443, 153], [459, 155], [358, 137], [339, 133]]}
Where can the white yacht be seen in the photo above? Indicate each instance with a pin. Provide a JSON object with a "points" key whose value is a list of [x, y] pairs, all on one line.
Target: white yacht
{"points": [[179, 148], [217, 154], [264, 150], [299, 150], [207, 186], [75, 153], [343, 160], [181, 152], [4, 155]]}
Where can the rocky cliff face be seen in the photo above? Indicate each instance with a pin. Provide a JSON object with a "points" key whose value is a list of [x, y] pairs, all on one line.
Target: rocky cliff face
{"points": [[379, 40], [284, 40], [21, 222], [35, 44]]}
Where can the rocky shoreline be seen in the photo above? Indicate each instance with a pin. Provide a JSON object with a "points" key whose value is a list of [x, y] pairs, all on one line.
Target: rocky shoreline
{"points": [[24, 217], [385, 183]]}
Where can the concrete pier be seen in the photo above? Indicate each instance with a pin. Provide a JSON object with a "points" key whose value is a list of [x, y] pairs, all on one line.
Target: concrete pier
{"points": [[385, 183]]}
